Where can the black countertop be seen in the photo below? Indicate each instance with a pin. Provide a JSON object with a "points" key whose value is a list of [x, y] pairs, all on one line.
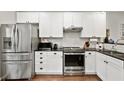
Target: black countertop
{"points": [[117, 55], [114, 54]]}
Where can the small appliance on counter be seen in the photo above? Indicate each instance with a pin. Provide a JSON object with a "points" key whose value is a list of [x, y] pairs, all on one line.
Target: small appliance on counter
{"points": [[99, 46], [55, 47], [45, 46]]}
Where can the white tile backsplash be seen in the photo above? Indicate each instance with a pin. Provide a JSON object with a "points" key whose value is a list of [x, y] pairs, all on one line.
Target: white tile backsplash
{"points": [[70, 39], [119, 48]]}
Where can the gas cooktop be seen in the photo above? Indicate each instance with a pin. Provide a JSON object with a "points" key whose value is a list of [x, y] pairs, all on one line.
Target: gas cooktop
{"points": [[73, 50]]}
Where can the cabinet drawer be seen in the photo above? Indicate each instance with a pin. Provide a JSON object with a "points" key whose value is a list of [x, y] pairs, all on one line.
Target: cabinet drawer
{"points": [[39, 53], [47, 52], [90, 53], [40, 68], [39, 62]]}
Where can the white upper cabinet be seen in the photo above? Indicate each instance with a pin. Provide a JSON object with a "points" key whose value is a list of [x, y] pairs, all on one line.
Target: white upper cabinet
{"points": [[100, 24], [51, 24], [27, 17], [73, 19], [67, 19], [78, 19], [94, 24], [88, 25]]}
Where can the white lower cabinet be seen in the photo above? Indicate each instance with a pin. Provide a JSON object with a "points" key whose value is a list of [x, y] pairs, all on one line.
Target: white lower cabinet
{"points": [[114, 69], [101, 66], [90, 62], [109, 68], [48, 62]]}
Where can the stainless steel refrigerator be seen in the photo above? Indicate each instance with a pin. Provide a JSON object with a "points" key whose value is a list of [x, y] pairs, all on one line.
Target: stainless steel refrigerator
{"points": [[18, 44]]}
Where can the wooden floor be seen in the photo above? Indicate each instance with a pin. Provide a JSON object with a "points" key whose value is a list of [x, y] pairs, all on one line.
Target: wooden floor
{"points": [[66, 78]]}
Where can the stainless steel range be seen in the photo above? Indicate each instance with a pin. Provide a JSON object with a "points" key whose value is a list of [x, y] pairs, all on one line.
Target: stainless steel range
{"points": [[74, 61]]}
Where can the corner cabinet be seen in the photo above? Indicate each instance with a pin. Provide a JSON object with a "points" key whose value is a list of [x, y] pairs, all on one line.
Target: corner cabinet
{"points": [[114, 69], [94, 24], [51, 24], [27, 17], [109, 68], [49, 62]]}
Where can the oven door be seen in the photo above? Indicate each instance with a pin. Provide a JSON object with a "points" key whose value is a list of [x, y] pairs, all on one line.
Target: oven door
{"points": [[74, 63]]}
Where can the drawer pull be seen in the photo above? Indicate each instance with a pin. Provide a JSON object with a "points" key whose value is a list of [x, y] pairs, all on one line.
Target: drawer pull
{"points": [[41, 62], [55, 53], [41, 68], [90, 53], [41, 53], [41, 57]]}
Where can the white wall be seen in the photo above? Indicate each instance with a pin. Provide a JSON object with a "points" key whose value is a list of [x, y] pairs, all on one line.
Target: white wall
{"points": [[119, 48], [7, 17], [113, 20]]}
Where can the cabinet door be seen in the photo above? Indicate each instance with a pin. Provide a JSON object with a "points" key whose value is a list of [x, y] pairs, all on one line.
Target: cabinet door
{"points": [[114, 73], [54, 64], [51, 24], [90, 64], [78, 19], [114, 69], [57, 24], [101, 66], [44, 25], [68, 16], [94, 24], [100, 24], [88, 25], [27, 17]]}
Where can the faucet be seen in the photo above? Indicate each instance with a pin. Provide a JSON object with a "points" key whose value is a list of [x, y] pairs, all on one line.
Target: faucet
{"points": [[118, 41]]}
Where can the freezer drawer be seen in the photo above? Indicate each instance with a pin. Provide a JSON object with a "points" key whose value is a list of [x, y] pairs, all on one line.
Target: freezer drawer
{"points": [[16, 56], [17, 70]]}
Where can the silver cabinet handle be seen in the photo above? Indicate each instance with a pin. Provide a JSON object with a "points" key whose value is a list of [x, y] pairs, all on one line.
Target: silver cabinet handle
{"points": [[106, 62], [55, 53], [90, 53]]}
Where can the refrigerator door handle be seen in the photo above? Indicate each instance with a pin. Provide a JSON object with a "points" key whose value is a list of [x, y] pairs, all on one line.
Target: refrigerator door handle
{"points": [[13, 38], [18, 38]]}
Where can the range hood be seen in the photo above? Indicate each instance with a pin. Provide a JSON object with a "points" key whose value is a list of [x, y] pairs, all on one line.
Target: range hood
{"points": [[73, 29]]}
